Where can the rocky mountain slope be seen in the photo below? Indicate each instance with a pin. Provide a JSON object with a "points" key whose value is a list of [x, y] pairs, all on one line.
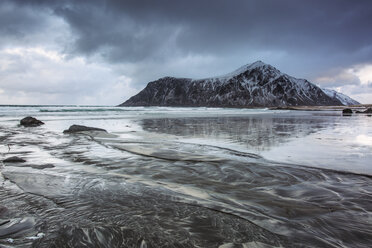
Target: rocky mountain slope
{"points": [[344, 99], [253, 85]]}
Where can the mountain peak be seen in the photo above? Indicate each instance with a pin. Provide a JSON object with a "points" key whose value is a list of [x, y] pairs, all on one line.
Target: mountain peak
{"points": [[248, 67], [258, 63]]}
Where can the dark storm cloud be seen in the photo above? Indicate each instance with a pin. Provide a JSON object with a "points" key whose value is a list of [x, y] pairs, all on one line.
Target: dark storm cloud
{"points": [[123, 31], [16, 22], [117, 38], [142, 40]]}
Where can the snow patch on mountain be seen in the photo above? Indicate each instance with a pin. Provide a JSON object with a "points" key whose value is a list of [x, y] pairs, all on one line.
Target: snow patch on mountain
{"points": [[344, 99], [247, 67]]}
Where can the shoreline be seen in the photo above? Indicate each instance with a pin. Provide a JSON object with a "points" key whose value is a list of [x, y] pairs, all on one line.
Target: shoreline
{"points": [[323, 108]]}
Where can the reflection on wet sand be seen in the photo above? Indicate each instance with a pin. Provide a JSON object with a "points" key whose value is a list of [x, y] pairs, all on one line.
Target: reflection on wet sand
{"points": [[256, 132]]}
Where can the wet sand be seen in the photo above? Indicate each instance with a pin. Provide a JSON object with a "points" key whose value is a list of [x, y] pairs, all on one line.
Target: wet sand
{"points": [[203, 180]]}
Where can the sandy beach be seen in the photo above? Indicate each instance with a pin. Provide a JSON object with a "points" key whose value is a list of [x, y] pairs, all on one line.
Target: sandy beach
{"points": [[185, 177]]}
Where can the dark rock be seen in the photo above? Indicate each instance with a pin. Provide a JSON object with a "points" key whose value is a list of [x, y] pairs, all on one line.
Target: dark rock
{"points": [[2, 211], [79, 128], [283, 108], [42, 166], [14, 159], [31, 122], [347, 111], [367, 111]]}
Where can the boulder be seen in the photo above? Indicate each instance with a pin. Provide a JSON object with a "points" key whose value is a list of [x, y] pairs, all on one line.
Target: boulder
{"points": [[31, 122], [80, 128], [2, 211], [347, 111], [14, 159], [283, 108], [42, 166]]}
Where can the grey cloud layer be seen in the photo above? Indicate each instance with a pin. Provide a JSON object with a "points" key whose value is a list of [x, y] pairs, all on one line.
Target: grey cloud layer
{"points": [[136, 30], [308, 37]]}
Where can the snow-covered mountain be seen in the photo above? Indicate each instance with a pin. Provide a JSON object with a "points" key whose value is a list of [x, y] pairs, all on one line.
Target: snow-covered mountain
{"points": [[344, 99], [253, 85]]}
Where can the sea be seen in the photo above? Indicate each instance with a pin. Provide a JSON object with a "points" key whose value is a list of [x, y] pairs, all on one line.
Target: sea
{"points": [[185, 177]]}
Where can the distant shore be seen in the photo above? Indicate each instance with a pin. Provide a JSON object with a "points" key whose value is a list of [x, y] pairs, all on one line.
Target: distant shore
{"points": [[318, 108]]}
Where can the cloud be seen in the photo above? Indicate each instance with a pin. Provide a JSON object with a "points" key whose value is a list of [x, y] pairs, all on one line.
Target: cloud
{"points": [[130, 31], [222, 27], [358, 75], [337, 78], [23, 26], [355, 81], [144, 40], [36, 75], [364, 73]]}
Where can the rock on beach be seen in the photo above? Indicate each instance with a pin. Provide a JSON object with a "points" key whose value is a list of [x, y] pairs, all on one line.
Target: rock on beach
{"points": [[14, 159], [347, 111], [80, 128], [30, 121], [367, 111]]}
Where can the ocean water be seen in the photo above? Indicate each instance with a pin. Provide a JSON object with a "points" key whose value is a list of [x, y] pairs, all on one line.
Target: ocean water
{"points": [[185, 177]]}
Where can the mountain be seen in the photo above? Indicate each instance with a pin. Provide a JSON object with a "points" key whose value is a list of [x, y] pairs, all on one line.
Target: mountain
{"points": [[253, 85], [344, 99]]}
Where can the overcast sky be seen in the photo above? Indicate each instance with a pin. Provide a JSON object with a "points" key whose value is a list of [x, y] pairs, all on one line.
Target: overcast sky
{"points": [[103, 52]]}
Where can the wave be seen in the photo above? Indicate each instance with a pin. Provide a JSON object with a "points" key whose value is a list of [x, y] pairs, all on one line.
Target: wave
{"points": [[86, 110], [48, 105]]}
